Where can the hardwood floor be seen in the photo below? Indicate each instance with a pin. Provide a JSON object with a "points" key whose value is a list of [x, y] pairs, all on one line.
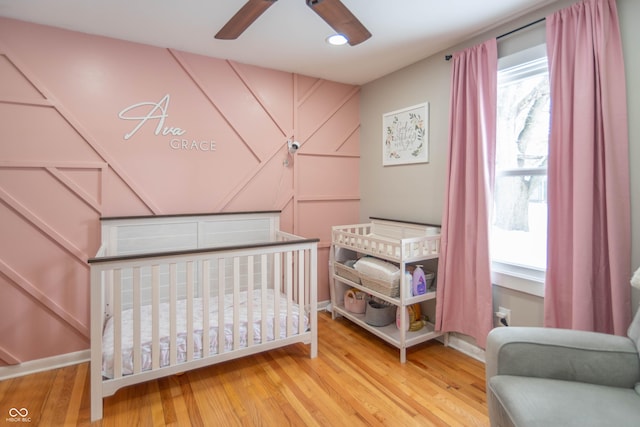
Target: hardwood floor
{"points": [[356, 380]]}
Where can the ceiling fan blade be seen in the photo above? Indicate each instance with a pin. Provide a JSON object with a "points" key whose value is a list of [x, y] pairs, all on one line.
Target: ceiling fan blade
{"points": [[336, 14], [243, 18]]}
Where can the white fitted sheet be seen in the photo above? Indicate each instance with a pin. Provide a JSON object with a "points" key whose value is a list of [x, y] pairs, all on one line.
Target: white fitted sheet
{"points": [[181, 327]]}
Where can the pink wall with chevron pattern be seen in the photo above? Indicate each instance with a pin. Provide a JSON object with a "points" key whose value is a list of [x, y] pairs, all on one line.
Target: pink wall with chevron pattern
{"points": [[93, 127]]}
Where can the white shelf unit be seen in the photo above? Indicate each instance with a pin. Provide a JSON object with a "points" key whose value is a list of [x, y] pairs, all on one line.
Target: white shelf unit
{"points": [[399, 242]]}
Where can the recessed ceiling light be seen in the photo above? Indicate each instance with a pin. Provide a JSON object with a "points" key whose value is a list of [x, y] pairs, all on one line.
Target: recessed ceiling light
{"points": [[337, 40]]}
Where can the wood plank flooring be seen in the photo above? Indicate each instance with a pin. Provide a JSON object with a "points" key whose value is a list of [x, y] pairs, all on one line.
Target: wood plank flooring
{"points": [[356, 380]]}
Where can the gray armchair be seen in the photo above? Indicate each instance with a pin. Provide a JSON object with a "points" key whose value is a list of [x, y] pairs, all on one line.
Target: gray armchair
{"points": [[555, 377]]}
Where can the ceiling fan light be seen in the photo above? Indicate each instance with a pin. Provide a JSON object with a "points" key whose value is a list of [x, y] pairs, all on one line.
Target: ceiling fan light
{"points": [[337, 40]]}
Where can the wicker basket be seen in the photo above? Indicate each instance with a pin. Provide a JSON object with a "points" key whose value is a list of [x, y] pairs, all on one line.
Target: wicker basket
{"points": [[388, 288], [347, 272]]}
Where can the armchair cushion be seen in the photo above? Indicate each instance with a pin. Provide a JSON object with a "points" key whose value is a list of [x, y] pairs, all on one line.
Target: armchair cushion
{"points": [[526, 401]]}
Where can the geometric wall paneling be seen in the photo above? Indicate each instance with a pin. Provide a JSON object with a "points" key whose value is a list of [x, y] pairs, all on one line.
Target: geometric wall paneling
{"points": [[62, 224], [13, 85], [320, 104], [271, 88], [85, 181], [337, 134], [96, 78], [351, 146], [9, 332], [234, 100], [118, 198], [27, 136], [327, 172], [305, 86], [272, 173], [323, 273], [331, 211], [35, 326], [71, 141], [327, 164], [47, 225], [286, 217], [339, 182], [65, 161], [40, 274], [49, 205], [58, 206]]}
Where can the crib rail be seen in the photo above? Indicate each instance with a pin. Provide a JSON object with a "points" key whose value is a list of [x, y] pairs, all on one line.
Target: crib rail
{"points": [[282, 275]]}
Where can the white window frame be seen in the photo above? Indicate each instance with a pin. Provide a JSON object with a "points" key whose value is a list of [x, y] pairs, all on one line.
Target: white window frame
{"points": [[507, 275]]}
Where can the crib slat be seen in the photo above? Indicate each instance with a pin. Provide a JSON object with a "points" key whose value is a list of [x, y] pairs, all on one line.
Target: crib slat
{"points": [[137, 358], [206, 322], [155, 316], [173, 297], [250, 284], [236, 303], [263, 299], [221, 288], [306, 301], [288, 291], [312, 283], [302, 266], [190, 296], [117, 323], [277, 288]]}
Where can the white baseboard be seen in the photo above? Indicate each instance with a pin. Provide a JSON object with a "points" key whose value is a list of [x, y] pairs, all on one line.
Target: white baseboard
{"points": [[46, 364], [322, 305], [463, 346]]}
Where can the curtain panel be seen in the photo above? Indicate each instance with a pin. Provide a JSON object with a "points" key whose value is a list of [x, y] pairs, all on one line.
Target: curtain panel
{"points": [[464, 295], [589, 224]]}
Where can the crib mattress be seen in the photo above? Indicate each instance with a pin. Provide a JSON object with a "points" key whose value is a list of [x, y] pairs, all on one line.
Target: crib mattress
{"points": [[181, 328]]}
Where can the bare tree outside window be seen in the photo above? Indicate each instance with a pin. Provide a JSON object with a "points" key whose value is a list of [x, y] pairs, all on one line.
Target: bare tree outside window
{"points": [[518, 233]]}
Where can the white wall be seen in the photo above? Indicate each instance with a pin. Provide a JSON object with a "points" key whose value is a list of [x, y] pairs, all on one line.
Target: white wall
{"points": [[416, 192]]}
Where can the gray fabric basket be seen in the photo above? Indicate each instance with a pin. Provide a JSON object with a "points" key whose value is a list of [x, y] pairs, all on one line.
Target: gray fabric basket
{"points": [[379, 314]]}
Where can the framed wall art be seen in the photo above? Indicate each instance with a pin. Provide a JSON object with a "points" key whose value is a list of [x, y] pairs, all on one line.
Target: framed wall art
{"points": [[405, 136]]}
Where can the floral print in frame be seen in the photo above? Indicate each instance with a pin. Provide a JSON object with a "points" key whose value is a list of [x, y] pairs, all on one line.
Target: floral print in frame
{"points": [[405, 136]]}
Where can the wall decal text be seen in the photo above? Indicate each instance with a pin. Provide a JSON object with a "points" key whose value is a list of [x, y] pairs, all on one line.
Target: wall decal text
{"points": [[150, 112]]}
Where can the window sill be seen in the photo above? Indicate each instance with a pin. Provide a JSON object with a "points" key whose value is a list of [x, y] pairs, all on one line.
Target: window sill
{"points": [[517, 278]]}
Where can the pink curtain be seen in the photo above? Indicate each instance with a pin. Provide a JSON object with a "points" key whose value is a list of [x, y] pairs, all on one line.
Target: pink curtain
{"points": [[464, 294], [589, 248]]}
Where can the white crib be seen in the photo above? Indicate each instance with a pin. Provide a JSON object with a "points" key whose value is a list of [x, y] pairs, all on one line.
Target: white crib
{"points": [[175, 293]]}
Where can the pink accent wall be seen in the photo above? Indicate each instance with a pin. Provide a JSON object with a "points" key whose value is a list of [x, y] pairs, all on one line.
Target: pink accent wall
{"points": [[65, 162]]}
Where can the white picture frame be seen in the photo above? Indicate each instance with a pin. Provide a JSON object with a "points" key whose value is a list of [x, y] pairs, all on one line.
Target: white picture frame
{"points": [[405, 135]]}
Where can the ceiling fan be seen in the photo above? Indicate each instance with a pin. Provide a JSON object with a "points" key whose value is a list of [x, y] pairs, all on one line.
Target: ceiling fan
{"points": [[334, 12]]}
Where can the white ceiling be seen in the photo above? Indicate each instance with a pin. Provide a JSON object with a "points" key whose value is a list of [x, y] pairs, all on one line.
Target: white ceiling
{"points": [[289, 36]]}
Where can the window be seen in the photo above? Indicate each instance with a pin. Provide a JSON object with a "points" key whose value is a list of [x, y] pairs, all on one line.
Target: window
{"points": [[519, 223]]}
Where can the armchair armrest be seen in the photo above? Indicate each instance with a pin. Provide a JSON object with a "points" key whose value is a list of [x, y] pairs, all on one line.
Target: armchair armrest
{"points": [[563, 354]]}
